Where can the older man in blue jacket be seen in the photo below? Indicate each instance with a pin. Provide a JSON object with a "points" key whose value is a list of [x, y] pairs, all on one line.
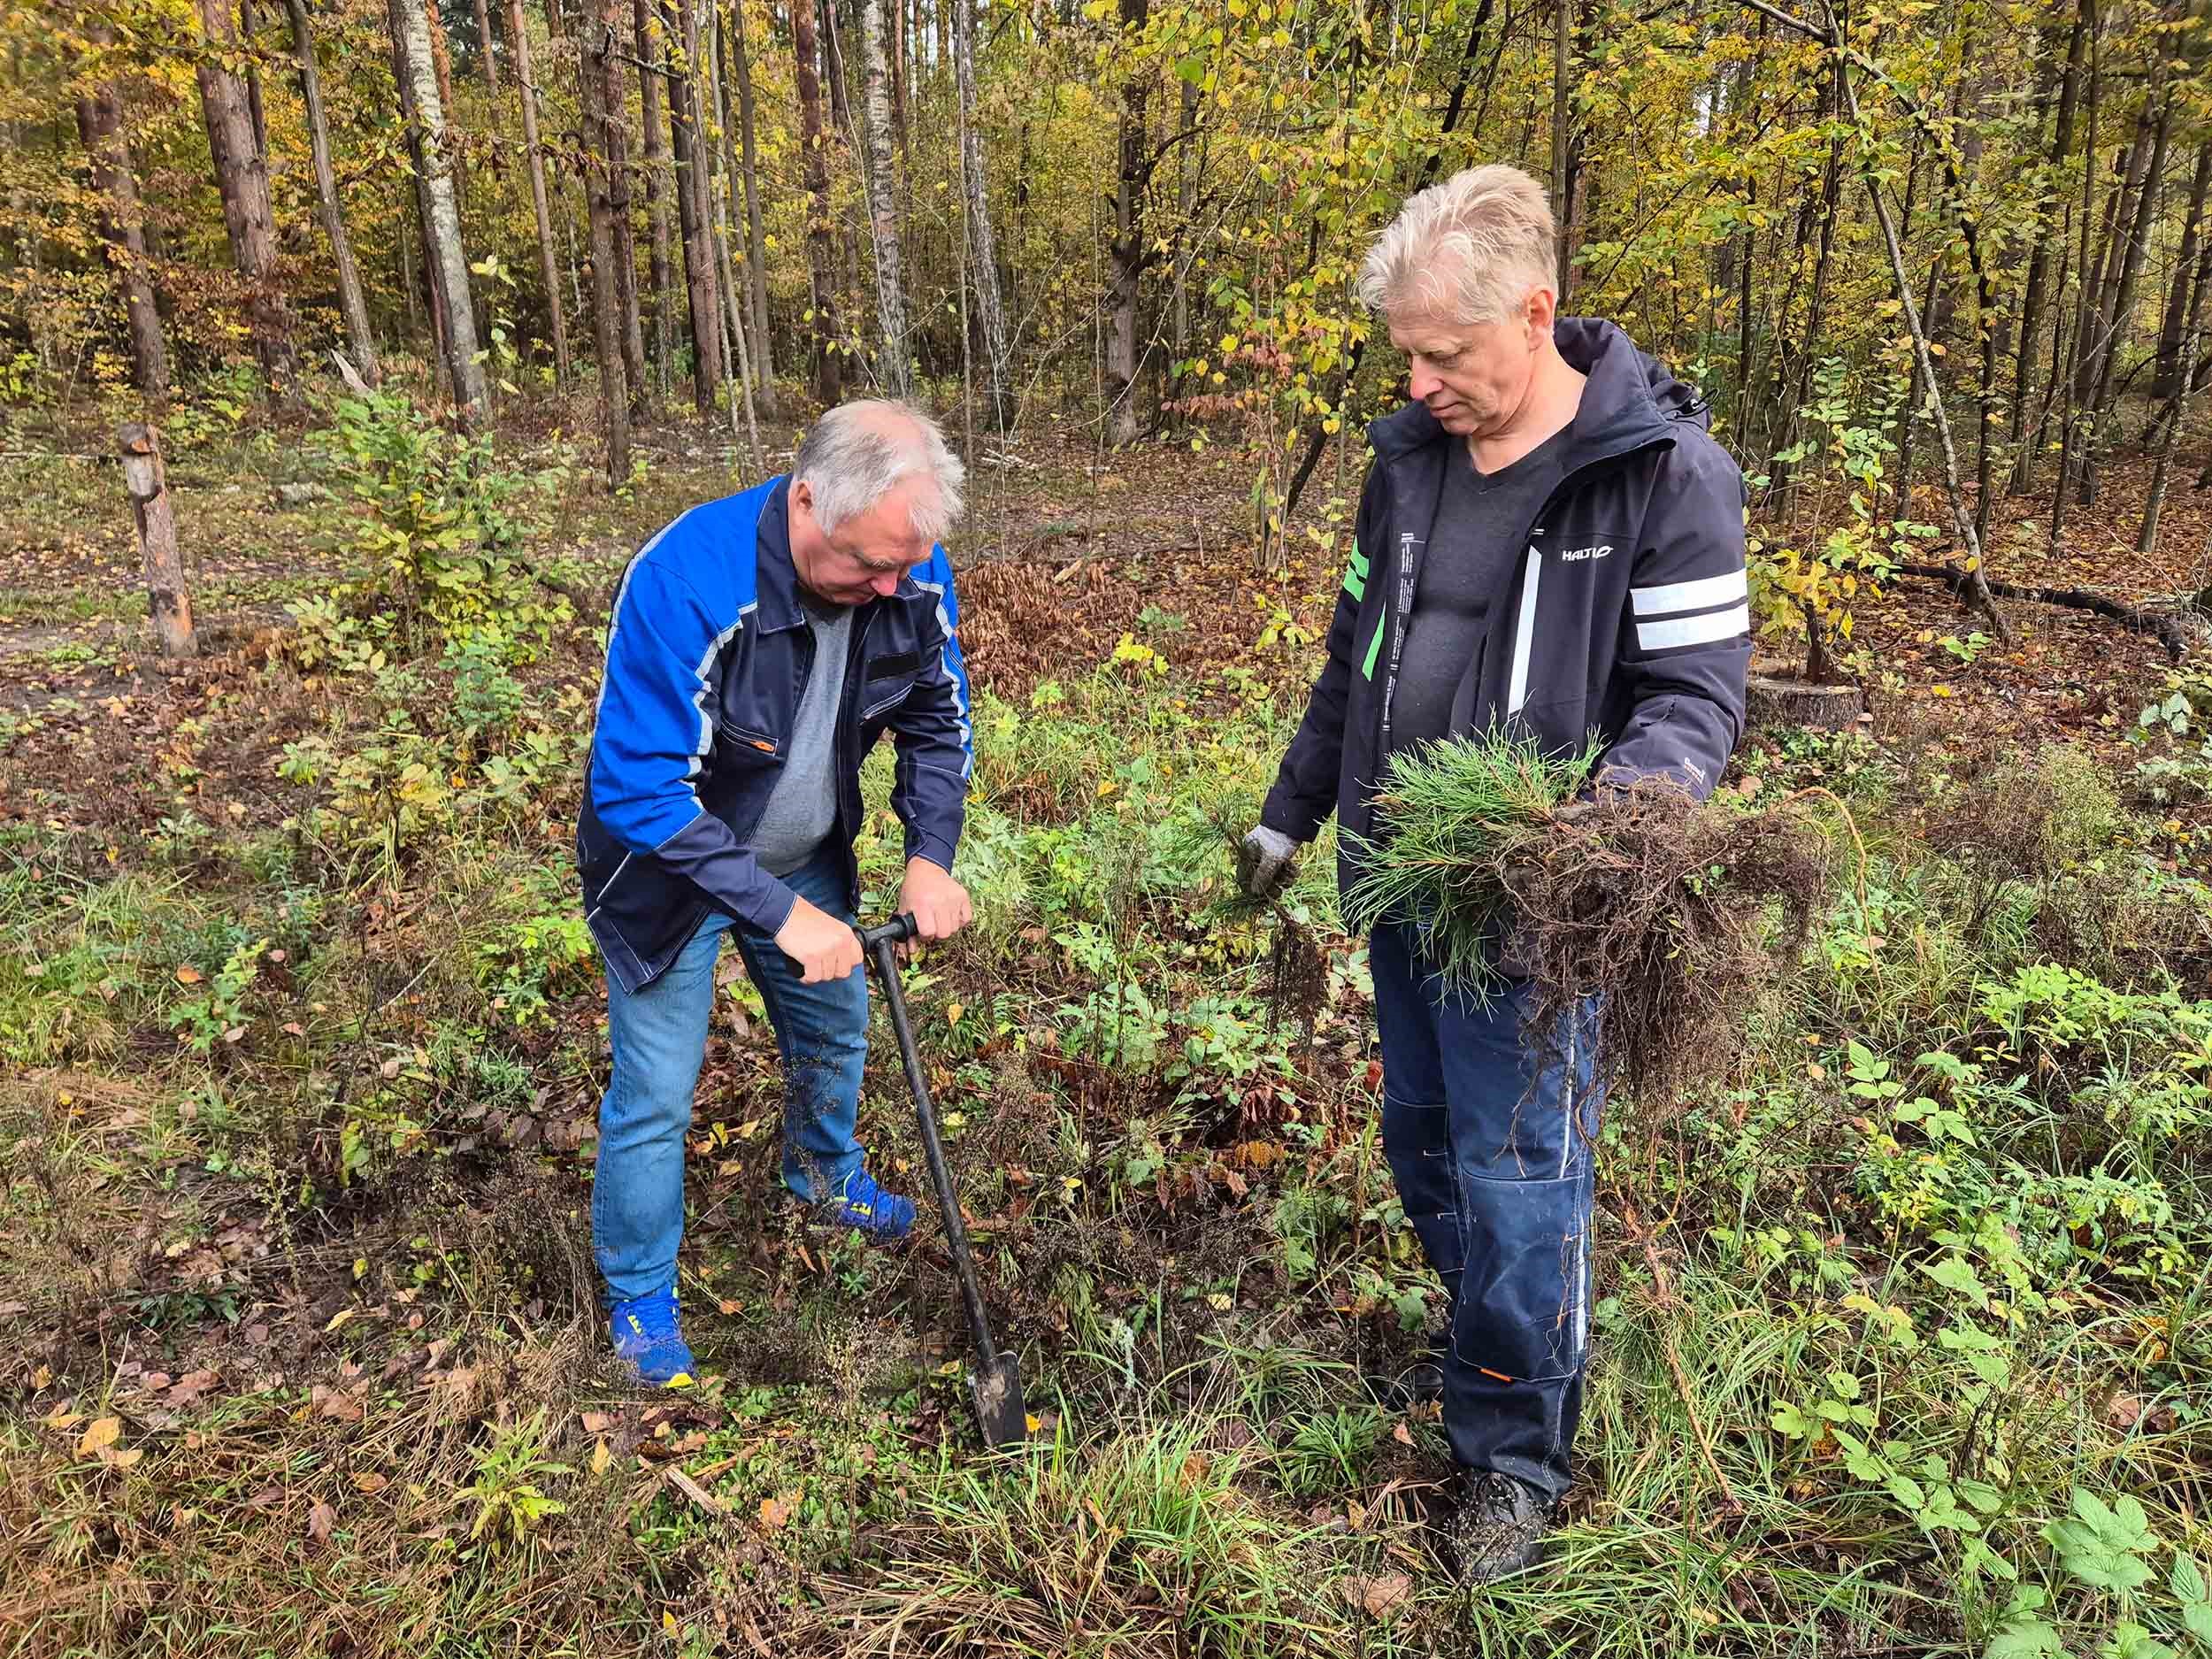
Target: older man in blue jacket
{"points": [[760, 646], [1550, 544]]}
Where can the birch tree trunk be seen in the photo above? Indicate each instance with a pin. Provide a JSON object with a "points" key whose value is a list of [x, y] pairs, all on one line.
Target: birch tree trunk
{"points": [[440, 214], [820, 257], [990, 308], [755, 242], [352, 303], [1126, 253], [549, 265], [243, 178], [123, 227], [883, 214], [599, 84], [692, 213], [652, 48]]}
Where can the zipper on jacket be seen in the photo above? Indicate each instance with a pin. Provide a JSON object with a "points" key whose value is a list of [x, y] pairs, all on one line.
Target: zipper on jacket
{"points": [[806, 674], [848, 697]]}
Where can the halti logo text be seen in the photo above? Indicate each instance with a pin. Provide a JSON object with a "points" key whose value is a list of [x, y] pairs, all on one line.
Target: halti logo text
{"points": [[1575, 553]]}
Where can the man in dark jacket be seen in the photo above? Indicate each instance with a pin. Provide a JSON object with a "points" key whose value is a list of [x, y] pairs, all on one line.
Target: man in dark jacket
{"points": [[1549, 544], [760, 646]]}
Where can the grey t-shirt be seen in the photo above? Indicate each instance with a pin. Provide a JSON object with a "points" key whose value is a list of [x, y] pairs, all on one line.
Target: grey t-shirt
{"points": [[1481, 521], [801, 808]]}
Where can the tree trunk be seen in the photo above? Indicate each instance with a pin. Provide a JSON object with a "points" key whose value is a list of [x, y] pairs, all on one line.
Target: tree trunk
{"points": [[693, 211], [548, 267], [2137, 228], [821, 269], [833, 67], [421, 271], [1961, 521], [2061, 382], [243, 178], [655, 181], [122, 227], [898, 93], [983, 250], [2146, 539], [352, 303], [599, 83], [484, 48], [724, 180], [2039, 265], [1561, 198], [1127, 252], [249, 26], [2167, 377], [756, 243], [427, 141], [168, 599], [1186, 200], [621, 190], [883, 213]]}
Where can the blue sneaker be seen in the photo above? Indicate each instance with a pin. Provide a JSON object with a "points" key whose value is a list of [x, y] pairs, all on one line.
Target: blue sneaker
{"points": [[881, 1217], [647, 1338]]}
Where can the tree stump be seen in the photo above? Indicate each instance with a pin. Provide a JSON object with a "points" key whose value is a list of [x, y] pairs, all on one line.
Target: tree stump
{"points": [[148, 491], [1773, 699]]}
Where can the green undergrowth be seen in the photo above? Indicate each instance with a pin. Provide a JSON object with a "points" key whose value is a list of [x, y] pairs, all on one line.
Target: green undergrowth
{"points": [[1900, 1344]]}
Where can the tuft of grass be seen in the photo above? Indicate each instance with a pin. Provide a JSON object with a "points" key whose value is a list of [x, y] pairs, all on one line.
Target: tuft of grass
{"points": [[1447, 815]]}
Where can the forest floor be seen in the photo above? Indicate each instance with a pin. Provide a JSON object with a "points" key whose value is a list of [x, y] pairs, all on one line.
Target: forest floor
{"points": [[1905, 1336]]}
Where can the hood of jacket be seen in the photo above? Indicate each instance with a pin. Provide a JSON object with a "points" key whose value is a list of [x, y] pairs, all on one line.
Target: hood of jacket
{"points": [[1630, 398]]}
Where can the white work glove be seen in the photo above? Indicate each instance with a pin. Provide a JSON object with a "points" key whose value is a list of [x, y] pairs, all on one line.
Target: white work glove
{"points": [[1265, 859]]}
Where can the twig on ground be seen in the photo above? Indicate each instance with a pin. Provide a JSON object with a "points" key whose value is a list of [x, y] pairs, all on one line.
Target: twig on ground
{"points": [[2169, 630]]}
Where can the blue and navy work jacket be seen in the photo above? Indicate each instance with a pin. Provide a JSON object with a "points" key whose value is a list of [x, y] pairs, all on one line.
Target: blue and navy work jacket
{"points": [[706, 661]]}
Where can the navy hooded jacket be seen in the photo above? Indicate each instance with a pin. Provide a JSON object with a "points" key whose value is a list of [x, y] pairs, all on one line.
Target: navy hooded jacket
{"points": [[1627, 616], [706, 659]]}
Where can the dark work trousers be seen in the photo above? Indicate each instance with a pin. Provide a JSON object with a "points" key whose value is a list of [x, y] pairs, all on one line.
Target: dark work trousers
{"points": [[1497, 1178]]}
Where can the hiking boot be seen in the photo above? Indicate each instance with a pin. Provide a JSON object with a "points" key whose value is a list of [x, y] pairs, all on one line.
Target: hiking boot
{"points": [[1496, 1530], [881, 1217], [1401, 1388], [648, 1339]]}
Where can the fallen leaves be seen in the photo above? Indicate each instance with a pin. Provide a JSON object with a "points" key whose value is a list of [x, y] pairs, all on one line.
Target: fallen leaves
{"points": [[1380, 1597]]}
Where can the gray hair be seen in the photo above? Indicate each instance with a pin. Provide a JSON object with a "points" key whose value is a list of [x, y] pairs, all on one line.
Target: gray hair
{"points": [[859, 452], [1470, 249]]}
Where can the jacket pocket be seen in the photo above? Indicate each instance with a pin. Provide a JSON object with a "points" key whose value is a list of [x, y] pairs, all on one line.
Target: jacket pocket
{"points": [[743, 745]]}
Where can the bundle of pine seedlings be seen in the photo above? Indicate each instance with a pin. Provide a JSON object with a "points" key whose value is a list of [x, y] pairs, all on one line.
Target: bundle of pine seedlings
{"points": [[1676, 917]]}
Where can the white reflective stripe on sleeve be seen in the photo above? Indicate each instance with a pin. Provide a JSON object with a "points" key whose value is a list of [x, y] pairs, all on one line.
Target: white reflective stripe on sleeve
{"points": [[1679, 631], [1691, 595], [1524, 633]]}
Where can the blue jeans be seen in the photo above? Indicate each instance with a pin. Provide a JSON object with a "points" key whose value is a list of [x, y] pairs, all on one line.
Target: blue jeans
{"points": [[1492, 1141], [660, 1038]]}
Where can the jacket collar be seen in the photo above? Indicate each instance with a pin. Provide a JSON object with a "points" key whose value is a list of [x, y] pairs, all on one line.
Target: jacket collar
{"points": [[776, 580], [1631, 399]]}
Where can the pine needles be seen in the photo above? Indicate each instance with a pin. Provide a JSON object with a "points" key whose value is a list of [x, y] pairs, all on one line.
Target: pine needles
{"points": [[1446, 816], [1676, 917]]}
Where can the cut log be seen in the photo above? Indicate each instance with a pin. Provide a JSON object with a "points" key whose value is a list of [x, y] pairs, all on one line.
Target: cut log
{"points": [[1773, 699], [169, 600]]}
